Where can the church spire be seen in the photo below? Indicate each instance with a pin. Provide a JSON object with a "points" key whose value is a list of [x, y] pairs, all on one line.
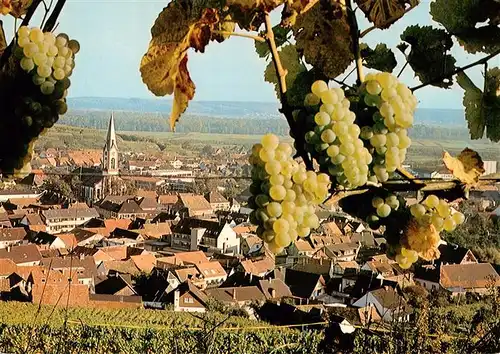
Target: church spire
{"points": [[111, 137], [110, 151]]}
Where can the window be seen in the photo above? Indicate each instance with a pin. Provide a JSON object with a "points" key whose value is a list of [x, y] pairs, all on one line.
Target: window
{"points": [[113, 163], [188, 300]]}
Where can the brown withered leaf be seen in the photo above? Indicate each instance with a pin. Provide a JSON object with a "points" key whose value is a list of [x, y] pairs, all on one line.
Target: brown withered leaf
{"points": [[466, 167], [383, 13], [20, 7], [183, 24], [323, 36]]}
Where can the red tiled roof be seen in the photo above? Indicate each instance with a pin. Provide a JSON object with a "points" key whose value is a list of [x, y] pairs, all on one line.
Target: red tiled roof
{"points": [[145, 262], [468, 276], [211, 269]]}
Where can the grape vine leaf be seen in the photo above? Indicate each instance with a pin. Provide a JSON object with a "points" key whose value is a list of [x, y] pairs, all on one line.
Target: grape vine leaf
{"points": [[225, 25], [183, 24], [381, 58], [323, 37], [428, 56], [466, 167], [383, 13], [3, 41], [280, 38], [482, 109], [291, 62], [475, 23]]}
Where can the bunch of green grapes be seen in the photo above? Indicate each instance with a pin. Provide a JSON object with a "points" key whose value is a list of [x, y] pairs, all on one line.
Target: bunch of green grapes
{"points": [[334, 140], [421, 237], [37, 97], [438, 213], [284, 194], [393, 105], [49, 59]]}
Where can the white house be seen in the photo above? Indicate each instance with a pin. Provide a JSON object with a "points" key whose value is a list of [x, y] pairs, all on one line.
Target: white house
{"points": [[389, 304], [64, 220]]}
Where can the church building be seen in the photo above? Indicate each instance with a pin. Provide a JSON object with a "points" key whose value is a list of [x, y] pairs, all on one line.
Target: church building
{"points": [[97, 182]]}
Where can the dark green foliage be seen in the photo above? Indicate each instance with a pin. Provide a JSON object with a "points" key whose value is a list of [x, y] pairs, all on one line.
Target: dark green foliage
{"points": [[462, 18], [381, 58], [429, 56]]}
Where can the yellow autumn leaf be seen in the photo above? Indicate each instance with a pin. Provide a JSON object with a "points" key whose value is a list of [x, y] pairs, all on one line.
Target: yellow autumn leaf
{"points": [[466, 167], [183, 24], [264, 5]]}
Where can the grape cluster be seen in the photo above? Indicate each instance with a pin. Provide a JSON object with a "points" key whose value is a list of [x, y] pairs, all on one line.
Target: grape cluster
{"points": [[49, 59], [437, 212], [284, 194], [40, 82], [421, 237], [334, 140], [386, 133]]}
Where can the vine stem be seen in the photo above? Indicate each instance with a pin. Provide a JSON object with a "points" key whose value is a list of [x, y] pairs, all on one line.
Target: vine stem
{"points": [[355, 35], [458, 70], [285, 107], [51, 21], [240, 34]]}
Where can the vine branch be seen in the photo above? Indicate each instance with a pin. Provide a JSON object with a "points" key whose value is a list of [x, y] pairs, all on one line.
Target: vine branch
{"points": [[240, 34], [457, 70], [353, 24], [52, 20], [286, 109]]}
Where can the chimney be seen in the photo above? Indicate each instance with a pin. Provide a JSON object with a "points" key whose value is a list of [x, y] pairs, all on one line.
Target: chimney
{"points": [[8, 248], [234, 293], [273, 293]]}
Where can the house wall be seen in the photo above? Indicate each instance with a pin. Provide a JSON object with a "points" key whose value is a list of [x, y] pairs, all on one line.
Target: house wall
{"points": [[5, 244], [187, 303], [227, 241], [60, 225], [58, 243]]}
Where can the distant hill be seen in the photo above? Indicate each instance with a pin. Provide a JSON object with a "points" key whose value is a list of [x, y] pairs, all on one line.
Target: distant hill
{"points": [[221, 109]]}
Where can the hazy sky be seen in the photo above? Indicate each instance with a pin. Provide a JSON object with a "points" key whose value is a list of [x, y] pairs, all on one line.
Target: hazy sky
{"points": [[115, 34]]}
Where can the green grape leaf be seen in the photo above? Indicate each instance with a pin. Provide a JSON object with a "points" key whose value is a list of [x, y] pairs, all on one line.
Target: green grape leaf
{"points": [[294, 8], [428, 56], [475, 23], [383, 13], [323, 37], [280, 38], [302, 86], [183, 24], [482, 109], [3, 41], [291, 62], [381, 58]]}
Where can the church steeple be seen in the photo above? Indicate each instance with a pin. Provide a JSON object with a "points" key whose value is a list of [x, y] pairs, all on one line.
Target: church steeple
{"points": [[110, 151]]}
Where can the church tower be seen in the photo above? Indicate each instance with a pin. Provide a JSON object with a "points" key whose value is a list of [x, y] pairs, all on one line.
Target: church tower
{"points": [[110, 151]]}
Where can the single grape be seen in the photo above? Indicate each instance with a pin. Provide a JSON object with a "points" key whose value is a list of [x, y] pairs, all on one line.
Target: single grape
{"points": [[36, 35], [303, 231], [431, 201], [282, 239], [52, 52], [322, 118], [277, 192], [373, 87], [383, 210], [30, 50], [443, 209], [437, 221], [329, 97], [23, 41], [459, 218], [44, 71], [311, 100], [47, 88], [274, 209], [270, 141], [40, 59], [27, 64], [449, 224], [273, 167], [262, 200], [318, 87], [23, 31], [59, 62], [74, 45], [417, 210], [37, 80], [328, 136]]}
